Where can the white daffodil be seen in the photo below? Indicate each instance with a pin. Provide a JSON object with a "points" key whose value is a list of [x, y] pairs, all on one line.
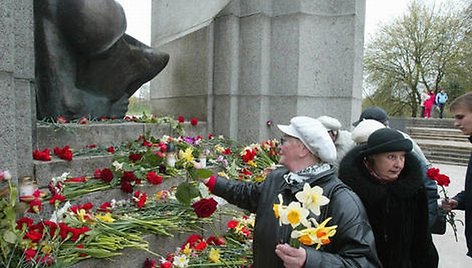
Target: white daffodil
{"points": [[312, 198], [294, 215]]}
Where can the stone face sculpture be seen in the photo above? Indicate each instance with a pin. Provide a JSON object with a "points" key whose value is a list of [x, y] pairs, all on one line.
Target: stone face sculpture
{"points": [[86, 66]]}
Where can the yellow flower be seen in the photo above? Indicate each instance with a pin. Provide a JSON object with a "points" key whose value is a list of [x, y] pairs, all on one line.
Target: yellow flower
{"points": [[312, 198], [320, 234], [223, 174], [278, 208], [46, 248], [252, 163], [105, 217], [214, 255], [187, 155], [82, 215], [294, 215], [187, 250], [219, 148]]}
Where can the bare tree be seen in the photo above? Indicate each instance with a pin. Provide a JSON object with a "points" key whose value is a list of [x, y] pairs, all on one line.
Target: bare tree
{"points": [[415, 51]]}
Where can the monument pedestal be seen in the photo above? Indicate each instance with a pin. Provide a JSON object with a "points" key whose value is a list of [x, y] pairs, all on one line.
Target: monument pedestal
{"points": [[265, 61]]}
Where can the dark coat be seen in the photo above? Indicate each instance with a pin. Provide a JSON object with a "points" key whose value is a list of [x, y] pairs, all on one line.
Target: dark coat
{"points": [[464, 200], [397, 211], [352, 246]]}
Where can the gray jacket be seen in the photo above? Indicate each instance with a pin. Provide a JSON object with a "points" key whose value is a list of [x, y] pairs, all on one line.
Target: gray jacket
{"points": [[353, 244]]}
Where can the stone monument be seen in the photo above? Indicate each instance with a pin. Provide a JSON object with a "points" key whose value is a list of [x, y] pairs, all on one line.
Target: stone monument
{"points": [[264, 61], [86, 66], [16, 87]]}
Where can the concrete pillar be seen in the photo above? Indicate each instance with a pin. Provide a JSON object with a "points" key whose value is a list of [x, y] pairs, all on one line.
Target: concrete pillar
{"points": [[265, 61], [16, 86]]}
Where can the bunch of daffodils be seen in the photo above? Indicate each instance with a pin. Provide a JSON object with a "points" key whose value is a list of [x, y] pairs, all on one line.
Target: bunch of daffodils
{"points": [[306, 229]]}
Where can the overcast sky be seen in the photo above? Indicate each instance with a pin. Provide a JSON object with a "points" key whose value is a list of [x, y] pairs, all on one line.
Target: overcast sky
{"points": [[138, 15]]}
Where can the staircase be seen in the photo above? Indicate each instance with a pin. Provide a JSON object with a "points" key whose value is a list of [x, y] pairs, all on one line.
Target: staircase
{"points": [[113, 134], [439, 140]]}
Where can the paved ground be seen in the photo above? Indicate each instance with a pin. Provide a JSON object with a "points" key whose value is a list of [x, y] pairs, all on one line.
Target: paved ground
{"points": [[452, 253]]}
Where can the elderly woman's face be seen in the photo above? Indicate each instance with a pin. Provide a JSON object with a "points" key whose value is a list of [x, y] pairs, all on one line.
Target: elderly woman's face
{"points": [[388, 165], [289, 151]]}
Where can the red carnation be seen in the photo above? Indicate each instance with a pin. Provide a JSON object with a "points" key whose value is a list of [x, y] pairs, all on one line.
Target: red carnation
{"points": [[181, 119], [22, 222], [111, 149], [83, 121], [126, 186], [205, 207], [134, 157], [432, 172], [153, 178], [42, 155], [105, 207], [150, 263], [106, 175], [194, 121]]}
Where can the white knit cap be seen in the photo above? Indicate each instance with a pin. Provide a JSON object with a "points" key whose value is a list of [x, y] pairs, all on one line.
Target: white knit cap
{"points": [[329, 122], [362, 131], [313, 135]]}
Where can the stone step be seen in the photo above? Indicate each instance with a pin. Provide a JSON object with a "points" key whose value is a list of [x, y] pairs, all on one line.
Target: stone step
{"points": [[104, 134], [79, 166], [446, 151], [431, 122], [436, 133]]}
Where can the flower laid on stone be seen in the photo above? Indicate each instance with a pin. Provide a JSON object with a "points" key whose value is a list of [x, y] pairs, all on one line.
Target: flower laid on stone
{"points": [[305, 230], [63, 153], [44, 155], [231, 249]]}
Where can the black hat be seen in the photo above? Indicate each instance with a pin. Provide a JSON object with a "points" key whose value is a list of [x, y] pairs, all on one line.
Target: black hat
{"points": [[375, 113], [386, 140]]}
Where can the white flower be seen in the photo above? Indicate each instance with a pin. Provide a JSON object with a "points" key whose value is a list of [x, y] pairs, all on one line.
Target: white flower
{"points": [[58, 214], [294, 215], [6, 175], [312, 198], [180, 261], [117, 165]]}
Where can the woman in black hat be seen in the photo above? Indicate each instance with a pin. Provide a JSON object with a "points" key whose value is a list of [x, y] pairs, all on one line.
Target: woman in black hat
{"points": [[388, 180]]}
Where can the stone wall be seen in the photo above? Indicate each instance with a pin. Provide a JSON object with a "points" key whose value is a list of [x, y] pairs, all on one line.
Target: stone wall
{"points": [[264, 60], [16, 86]]}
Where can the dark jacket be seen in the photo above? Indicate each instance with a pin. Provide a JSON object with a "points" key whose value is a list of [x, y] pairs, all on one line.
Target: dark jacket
{"points": [[397, 211], [352, 245], [464, 200]]}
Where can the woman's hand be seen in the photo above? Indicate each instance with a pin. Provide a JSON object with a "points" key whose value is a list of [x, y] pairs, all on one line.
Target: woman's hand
{"points": [[292, 257]]}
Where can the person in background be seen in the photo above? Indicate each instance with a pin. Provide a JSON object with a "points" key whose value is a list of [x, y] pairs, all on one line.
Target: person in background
{"points": [[462, 110], [362, 131], [379, 114], [440, 101], [428, 104], [341, 138], [306, 150], [387, 178], [423, 97]]}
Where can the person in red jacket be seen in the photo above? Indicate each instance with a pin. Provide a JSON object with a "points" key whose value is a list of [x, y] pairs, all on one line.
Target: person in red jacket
{"points": [[428, 104]]}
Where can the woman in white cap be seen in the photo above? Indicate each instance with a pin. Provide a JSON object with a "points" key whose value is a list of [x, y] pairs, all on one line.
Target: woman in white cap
{"points": [[305, 152], [388, 179]]}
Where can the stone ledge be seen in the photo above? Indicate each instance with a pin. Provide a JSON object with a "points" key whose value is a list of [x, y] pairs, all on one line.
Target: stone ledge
{"points": [[103, 134]]}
